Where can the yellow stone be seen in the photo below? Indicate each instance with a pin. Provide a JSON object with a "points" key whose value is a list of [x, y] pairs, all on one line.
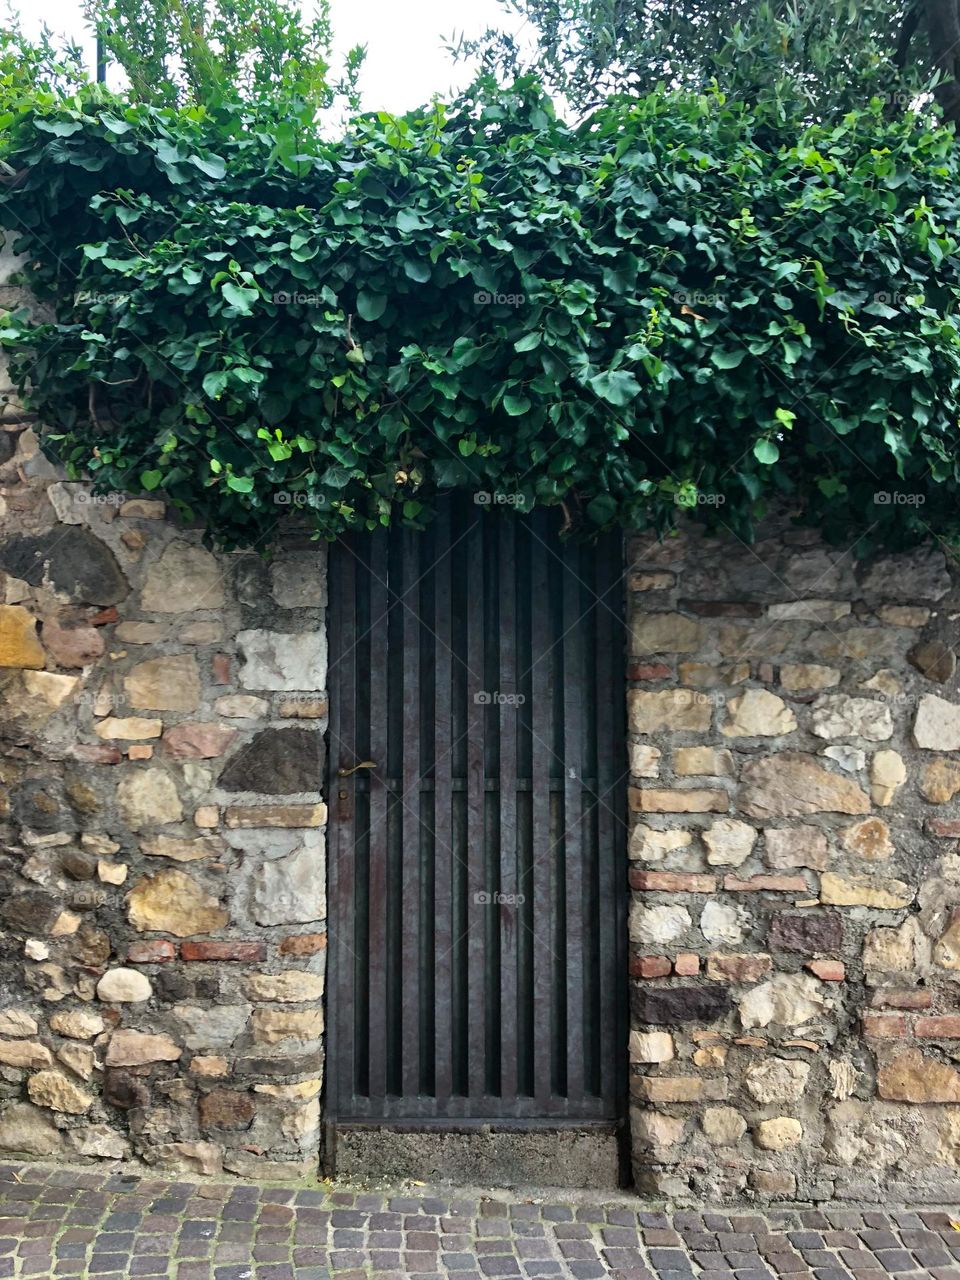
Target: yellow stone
{"points": [[303, 1090], [19, 643], [273, 1025], [128, 728], [708, 762], [173, 902], [288, 988], [862, 891], [672, 709], [941, 781]]}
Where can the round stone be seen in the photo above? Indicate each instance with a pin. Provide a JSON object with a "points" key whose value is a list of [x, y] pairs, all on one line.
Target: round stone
{"points": [[120, 986]]}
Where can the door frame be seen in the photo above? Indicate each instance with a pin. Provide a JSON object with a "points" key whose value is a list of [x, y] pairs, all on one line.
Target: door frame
{"points": [[339, 852]]}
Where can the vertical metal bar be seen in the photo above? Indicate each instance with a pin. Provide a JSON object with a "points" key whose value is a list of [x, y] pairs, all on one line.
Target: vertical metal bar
{"points": [[543, 746], [609, 697], [340, 752], [477, 909], [377, 679], [442, 813], [573, 677], [335, 623], [508, 911], [411, 929]]}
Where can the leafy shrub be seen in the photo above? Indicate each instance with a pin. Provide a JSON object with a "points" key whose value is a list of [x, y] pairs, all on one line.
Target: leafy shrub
{"points": [[671, 306]]}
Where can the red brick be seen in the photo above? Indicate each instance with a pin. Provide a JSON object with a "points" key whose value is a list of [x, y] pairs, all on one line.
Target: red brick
{"points": [[757, 884], [649, 966], [671, 881], [941, 1027], [223, 951], [220, 667], [885, 1026], [158, 952], [738, 968], [902, 999], [303, 944], [104, 617], [946, 828], [687, 964], [649, 671], [827, 970]]}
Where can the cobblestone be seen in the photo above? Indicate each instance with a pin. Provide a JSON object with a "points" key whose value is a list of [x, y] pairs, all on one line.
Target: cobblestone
{"points": [[87, 1225]]}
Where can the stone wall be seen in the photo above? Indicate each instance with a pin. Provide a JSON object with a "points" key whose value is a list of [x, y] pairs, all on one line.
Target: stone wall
{"points": [[794, 867], [162, 871], [795, 908]]}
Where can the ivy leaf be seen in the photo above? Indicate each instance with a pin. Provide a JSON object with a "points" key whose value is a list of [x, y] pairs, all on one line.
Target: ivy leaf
{"points": [[114, 124], [766, 451], [214, 384], [724, 358], [409, 220], [529, 341], [212, 166], [240, 484], [240, 297], [150, 479], [371, 306], [617, 387], [516, 406]]}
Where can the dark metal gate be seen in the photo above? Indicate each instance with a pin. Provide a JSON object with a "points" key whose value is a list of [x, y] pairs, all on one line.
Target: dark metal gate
{"points": [[477, 877]]}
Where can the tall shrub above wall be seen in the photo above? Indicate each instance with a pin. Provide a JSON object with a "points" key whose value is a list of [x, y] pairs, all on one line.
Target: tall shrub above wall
{"points": [[162, 868], [794, 722]]}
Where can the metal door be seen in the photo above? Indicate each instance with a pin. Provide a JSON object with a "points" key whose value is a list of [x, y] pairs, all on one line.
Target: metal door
{"points": [[477, 841]]}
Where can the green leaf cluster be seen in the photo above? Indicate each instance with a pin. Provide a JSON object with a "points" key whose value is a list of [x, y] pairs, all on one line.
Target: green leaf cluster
{"points": [[673, 306]]}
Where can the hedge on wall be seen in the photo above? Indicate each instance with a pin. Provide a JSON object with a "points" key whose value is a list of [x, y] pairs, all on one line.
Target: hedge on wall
{"points": [[673, 305]]}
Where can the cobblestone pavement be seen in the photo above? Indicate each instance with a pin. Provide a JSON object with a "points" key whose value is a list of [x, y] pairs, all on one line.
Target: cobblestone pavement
{"points": [[82, 1223]]}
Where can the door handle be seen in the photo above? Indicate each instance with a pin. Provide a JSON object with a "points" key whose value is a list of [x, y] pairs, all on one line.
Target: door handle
{"points": [[364, 764]]}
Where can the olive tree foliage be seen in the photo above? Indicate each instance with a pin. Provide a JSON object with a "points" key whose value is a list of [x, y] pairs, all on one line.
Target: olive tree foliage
{"points": [[819, 57], [205, 51]]}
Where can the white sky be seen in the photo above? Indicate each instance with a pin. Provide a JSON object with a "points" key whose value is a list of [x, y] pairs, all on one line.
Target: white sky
{"points": [[406, 62]]}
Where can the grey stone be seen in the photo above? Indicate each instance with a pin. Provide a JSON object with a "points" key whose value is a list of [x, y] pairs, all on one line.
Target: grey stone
{"points": [[41, 805], [680, 1004], [936, 660], [185, 577], [925, 570], [277, 762], [80, 565], [298, 579], [283, 660], [26, 1129], [290, 890], [214, 1028], [28, 912]]}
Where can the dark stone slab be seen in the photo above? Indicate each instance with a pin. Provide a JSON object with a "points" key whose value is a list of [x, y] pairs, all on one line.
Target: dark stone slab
{"points": [[80, 565]]}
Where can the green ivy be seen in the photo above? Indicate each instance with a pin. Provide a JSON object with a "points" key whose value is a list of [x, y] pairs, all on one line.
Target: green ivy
{"points": [[672, 307]]}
